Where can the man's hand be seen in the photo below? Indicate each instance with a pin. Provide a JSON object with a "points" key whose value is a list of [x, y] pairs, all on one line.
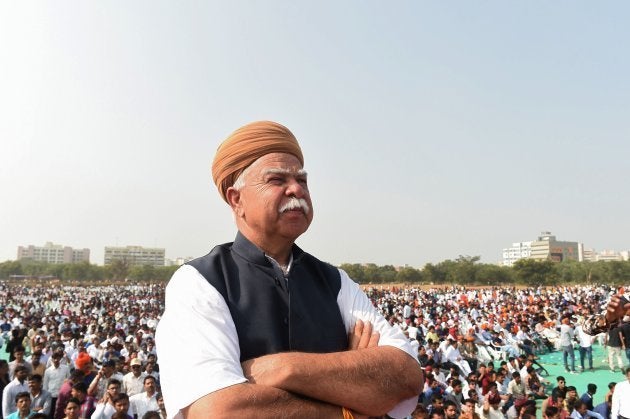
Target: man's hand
{"points": [[618, 307], [362, 337], [267, 369]]}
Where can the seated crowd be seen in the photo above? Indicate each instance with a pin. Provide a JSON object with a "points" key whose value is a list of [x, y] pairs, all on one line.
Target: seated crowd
{"points": [[89, 351]]}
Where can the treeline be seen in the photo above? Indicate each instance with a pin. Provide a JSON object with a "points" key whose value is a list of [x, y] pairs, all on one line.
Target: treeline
{"points": [[117, 271], [464, 270], [467, 270]]}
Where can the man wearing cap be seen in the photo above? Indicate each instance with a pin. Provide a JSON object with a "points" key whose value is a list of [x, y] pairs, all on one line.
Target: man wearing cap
{"points": [[270, 329], [133, 381]]}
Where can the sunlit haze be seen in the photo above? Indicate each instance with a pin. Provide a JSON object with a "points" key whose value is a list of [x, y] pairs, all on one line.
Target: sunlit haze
{"points": [[429, 129]]}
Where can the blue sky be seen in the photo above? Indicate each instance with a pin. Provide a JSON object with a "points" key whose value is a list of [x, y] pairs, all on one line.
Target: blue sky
{"points": [[429, 130]]}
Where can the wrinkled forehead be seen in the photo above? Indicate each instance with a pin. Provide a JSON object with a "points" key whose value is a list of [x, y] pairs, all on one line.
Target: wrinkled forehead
{"points": [[276, 161]]}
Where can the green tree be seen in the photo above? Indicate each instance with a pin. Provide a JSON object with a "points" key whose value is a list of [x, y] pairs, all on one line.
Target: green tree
{"points": [[433, 274], [408, 275], [118, 269], [532, 272], [487, 274], [354, 271], [10, 267]]}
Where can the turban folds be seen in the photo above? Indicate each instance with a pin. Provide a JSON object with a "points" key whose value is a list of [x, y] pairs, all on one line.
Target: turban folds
{"points": [[83, 361], [246, 145]]}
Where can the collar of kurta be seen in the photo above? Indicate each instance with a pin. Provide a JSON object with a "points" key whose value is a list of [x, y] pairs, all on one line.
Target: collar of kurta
{"points": [[254, 254]]}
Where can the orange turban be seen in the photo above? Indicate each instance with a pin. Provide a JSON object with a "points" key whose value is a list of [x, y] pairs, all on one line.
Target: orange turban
{"points": [[83, 361], [246, 145]]}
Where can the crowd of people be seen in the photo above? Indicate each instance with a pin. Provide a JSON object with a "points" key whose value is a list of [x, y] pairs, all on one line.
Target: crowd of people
{"points": [[90, 352], [480, 348], [80, 352]]}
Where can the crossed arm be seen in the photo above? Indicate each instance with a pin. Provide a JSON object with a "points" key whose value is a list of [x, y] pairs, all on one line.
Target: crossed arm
{"points": [[203, 377], [368, 379]]}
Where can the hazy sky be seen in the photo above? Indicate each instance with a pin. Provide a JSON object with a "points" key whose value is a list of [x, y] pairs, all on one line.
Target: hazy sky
{"points": [[429, 129]]}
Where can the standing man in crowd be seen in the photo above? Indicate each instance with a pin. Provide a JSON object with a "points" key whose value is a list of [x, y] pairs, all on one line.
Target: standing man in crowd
{"points": [[615, 343], [41, 400], [566, 343], [260, 328], [133, 381], [16, 386], [586, 346], [621, 399], [146, 401]]}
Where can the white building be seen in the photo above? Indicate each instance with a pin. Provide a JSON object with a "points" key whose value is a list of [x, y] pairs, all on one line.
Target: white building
{"points": [[53, 253], [135, 255], [517, 251]]}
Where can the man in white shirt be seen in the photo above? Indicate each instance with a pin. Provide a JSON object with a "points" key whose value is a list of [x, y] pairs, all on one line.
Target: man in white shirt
{"points": [[146, 401], [586, 346], [15, 386], [620, 408], [275, 357], [453, 356], [54, 377], [566, 343], [133, 382]]}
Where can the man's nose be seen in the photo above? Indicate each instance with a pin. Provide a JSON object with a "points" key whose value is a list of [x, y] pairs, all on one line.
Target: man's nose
{"points": [[295, 188]]}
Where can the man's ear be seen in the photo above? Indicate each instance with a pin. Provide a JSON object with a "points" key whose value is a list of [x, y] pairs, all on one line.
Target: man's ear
{"points": [[234, 200]]}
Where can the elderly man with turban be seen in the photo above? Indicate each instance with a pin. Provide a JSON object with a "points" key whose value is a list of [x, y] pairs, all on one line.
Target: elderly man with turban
{"points": [[260, 328]]}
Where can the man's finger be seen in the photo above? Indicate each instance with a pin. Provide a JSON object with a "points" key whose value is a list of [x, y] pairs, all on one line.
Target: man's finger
{"points": [[374, 340], [355, 335], [366, 335]]}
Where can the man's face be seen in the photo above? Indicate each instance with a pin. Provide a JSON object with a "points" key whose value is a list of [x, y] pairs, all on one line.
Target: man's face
{"points": [[451, 412], [72, 410], [149, 386], [35, 386], [24, 404], [113, 390], [137, 370], [457, 389], [628, 375], [19, 356], [270, 182], [21, 375], [122, 406], [79, 395], [561, 384]]}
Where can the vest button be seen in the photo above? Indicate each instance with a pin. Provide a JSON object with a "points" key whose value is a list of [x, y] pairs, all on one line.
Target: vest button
{"points": [[286, 321]]}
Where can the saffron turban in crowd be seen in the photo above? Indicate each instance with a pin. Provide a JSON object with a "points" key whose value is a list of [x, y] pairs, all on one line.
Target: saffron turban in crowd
{"points": [[246, 145]]}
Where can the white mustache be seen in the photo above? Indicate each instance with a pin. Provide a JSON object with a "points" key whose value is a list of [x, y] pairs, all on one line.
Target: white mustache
{"points": [[294, 203]]}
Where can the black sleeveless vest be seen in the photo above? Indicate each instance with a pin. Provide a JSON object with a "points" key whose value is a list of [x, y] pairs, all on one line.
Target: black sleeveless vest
{"points": [[273, 315]]}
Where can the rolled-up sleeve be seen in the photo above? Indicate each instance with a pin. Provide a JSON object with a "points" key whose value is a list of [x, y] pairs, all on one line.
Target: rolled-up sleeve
{"points": [[354, 304], [196, 342]]}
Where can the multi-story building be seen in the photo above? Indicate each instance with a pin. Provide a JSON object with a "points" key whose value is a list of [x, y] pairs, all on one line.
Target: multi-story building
{"points": [[608, 255], [53, 253], [518, 251], [548, 248], [135, 255]]}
